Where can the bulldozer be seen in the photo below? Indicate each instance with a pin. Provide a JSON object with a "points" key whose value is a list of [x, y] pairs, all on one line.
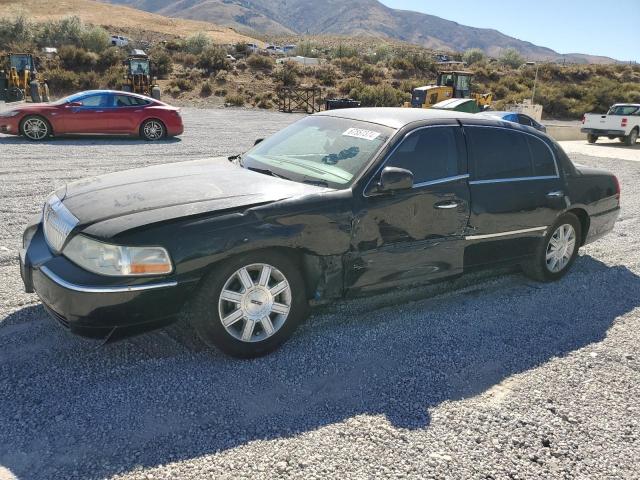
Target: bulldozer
{"points": [[138, 77], [450, 84], [19, 79]]}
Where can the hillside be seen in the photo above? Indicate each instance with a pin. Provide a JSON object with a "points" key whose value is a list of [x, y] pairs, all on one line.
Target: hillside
{"points": [[352, 18], [119, 19]]}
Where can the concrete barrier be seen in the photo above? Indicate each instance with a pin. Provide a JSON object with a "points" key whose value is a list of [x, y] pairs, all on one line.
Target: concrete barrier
{"points": [[565, 132]]}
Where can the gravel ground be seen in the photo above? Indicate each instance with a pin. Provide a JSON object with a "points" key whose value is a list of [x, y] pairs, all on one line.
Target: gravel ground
{"points": [[490, 376]]}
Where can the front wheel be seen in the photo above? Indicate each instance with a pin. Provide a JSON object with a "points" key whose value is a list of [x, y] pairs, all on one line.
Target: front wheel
{"points": [[557, 252], [35, 128], [152, 130], [250, 305], [591, 138]]}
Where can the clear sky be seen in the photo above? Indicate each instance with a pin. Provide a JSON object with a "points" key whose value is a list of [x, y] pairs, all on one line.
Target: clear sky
{"points": [[596, 27]]}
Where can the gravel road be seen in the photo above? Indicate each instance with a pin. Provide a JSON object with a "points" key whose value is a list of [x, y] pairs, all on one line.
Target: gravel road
{"points": [[489, 376]]}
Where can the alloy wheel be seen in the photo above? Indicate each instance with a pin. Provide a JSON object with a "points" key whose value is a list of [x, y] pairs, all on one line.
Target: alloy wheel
{"points": [[255, 302], [560, 248], [35, 128], [153, 130]]}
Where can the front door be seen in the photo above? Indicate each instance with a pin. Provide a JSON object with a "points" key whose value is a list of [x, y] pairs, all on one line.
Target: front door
{"points": [[91, 116], [413, 235], [516, 191]]}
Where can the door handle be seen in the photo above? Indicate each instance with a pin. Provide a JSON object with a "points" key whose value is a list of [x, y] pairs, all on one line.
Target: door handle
{"points": [[555, 194], [99, 111], [446, 205]]}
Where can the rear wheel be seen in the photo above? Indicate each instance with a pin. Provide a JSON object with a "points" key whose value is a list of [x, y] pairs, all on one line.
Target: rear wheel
{"points": [[35, 128], [14, 94], [591, 138], [153, 130], [557, 252], [631, 139], [250, 305]]}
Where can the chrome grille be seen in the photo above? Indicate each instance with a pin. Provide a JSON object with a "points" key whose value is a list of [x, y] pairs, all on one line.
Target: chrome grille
{"points": [[58, 222]]}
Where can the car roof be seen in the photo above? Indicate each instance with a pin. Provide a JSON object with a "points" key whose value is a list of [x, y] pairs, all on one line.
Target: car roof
{"points": [[394, 117], [118, 92]]}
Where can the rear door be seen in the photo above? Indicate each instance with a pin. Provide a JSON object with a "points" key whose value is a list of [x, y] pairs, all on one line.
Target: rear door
{"points": [[516, 193], [415, 234], [128, 113]]}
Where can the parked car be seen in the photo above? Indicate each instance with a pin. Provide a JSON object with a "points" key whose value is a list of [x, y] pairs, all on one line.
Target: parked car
{"points": [[94, 112], [119, 41], [515, 117], [340, 203], [622, 121]]}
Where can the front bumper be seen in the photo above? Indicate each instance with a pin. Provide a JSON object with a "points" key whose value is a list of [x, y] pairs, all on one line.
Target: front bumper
{"points": [[602, 132], [9, 125], [95, 306]]}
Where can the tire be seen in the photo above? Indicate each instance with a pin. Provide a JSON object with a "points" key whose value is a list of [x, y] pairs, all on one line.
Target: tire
{"points": [[542, 268], [631, 139], [258, 321], [591, 138], [155, 93], [14, 94], [34, 92], [153, 130], [35, 128]]}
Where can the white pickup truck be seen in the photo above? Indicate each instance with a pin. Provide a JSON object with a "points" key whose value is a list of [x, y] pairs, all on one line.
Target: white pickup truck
{"points": [[621, 121]]}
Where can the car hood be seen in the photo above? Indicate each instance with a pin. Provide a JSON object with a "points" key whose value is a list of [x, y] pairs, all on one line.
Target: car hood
{"points": [[109, 204]]}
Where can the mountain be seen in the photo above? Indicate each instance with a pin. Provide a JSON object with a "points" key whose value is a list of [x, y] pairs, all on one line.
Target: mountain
{"points": [[119, 19], [352, 18]]}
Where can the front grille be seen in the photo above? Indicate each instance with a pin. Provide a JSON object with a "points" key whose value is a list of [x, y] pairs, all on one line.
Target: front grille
{"points": [[58, 223]]}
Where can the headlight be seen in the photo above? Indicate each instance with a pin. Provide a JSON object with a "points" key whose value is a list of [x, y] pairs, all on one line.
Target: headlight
{"points": [[10, 113], [117, 260]]}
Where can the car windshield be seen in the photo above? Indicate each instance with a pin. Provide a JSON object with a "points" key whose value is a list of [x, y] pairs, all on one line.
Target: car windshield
{"points": [[321, 150], [624, 110]]}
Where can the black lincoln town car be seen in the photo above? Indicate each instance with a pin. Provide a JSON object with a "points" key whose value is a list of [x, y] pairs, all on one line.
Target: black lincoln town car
{"points": [[340, 203]]}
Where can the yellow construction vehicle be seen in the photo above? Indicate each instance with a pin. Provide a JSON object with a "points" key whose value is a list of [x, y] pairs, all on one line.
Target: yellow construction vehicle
{"points": [[138, 77], [19, 79], [450, 84]]}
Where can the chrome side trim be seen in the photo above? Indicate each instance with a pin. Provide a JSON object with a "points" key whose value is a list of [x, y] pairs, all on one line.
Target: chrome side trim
{"points": [[441, 180], [514, 179], [87, 289], [504, 234]]}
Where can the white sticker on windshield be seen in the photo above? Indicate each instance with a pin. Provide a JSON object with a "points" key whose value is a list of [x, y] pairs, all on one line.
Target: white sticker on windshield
{"points": [[361, 133]]}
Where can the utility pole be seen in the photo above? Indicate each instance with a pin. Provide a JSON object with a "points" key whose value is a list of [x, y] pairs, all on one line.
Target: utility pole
{"points": [[535, 81]]}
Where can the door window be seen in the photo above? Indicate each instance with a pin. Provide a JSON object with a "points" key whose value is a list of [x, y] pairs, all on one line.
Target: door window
{"points": [[524, 120], [96, 101], [431, 153], [130, 101], [499, 154]]}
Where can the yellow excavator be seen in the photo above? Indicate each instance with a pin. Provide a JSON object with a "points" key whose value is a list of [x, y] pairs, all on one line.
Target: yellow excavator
{"points": [[138, 77], [450, 84], [19, 79]]}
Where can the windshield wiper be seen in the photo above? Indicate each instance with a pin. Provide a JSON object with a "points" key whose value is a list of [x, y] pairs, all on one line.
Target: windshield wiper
{"points": [[236, 159], [319, 183], [265, 171]]}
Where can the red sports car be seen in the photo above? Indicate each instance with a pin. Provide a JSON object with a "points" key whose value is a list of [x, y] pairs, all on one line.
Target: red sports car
{"points": [[94, 112]]}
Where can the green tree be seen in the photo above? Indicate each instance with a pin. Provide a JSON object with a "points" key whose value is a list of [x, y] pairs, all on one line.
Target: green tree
{"points": [[95, 39], [473, 55], [198, 43], [511, 58]]}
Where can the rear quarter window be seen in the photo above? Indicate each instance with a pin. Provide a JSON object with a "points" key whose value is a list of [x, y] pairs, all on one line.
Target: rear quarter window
{"points": [[543, 162]]}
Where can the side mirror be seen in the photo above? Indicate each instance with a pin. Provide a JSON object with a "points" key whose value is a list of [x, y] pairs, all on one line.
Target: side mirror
{"points": [[393, 178], [258, 140]]}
